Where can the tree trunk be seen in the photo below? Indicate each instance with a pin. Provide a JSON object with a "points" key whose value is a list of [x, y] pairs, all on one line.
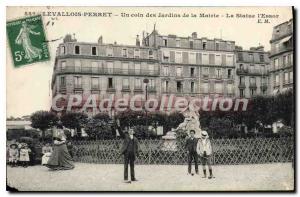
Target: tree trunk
{"points": [[43, 135]]}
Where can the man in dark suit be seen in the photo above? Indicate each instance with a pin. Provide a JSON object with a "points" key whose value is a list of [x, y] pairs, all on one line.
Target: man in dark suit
{"points": [[130, 151], [191, 146]]}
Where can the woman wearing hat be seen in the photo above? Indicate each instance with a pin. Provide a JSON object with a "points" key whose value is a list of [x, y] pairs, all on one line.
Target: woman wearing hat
{"points": [[204, 149], [13, 155], [60, 158]]}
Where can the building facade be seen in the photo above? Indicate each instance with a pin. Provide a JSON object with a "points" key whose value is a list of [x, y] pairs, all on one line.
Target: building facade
{"points": [[281, 57], [252, 72]]}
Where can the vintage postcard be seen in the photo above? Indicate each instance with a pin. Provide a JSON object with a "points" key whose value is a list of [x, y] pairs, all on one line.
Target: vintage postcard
{"points": [[150, 98]]}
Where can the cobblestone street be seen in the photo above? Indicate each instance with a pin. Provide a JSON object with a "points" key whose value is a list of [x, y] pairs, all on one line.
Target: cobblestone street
{"points": [[99, 177]]}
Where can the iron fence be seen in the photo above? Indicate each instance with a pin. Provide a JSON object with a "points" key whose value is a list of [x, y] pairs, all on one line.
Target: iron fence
{"points": [[226, 151]]}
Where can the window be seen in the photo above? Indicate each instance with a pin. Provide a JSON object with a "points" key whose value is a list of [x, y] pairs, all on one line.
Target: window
{"points": [[218, 73], [109, 51], [151, 83], [137, 68], [192, 72], [204, 45], [166, 70], [77, 65], [219, 87], [178, 57], [94, 67], [252, 81], [286, 77], [177, 43], [264, 81], [137, 83], [192, 87], [217, 46], [166, 56], [229, 73], [251, 59], [277, 80], [263, 69], [179, 86], [253, 92], [63, 65], [124, 52], [95, 82], [125, 83], [77, 82], [229, 60], [291, 76], [289, 60], [252, 67], [166, 86], [242, 81], [205, 58], [205, 87], [230, 88], [150, 54], [62, 81], [241, 66], [94, 50], [110, 83], [276, 63], [77, 50], [151, 69], [218, 59], [136, 53], [110, 67], [191, 44], [205, 72], [192, 58], [261, 58], [165, 42], [241, 92], [62, 50], [284, 60], [125, 68], [179, 71]]}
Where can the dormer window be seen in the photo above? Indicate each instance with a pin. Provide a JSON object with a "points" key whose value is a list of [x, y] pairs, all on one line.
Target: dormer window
{"points": [[62, 50], [77, 50], [204, 45], [94, 50]]}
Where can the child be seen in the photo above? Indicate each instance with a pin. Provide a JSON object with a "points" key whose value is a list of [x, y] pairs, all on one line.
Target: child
{"points": [[204, 149], [47, 151], [24, 155], [13, 155]]}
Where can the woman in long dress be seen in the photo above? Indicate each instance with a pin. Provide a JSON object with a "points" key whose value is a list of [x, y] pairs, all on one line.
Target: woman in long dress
{"points": [[60, 158], [23, 39]]}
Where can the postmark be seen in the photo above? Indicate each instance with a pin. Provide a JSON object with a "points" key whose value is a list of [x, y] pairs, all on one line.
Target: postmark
{"points": [[27, 40]]}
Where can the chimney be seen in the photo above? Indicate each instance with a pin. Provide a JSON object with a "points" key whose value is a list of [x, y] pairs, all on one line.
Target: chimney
{"points": [[194, 35], [115, 43], [100, 40], [137, 42]]}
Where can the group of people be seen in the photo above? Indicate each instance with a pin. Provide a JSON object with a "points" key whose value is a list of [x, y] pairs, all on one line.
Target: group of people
{"points": [[19, 155], [195, 147], [57, 157]]}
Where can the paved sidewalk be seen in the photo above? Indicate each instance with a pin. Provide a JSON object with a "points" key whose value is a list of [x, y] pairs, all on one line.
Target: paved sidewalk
{"points": [[99, 177]]}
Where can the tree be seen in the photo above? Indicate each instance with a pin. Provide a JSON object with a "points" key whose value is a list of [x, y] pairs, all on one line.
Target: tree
{"points": [[43, 120], [99, 127], [74, 120]]}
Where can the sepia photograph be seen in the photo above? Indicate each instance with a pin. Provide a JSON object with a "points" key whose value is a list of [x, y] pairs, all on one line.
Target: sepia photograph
{"points": [[146, 99]]}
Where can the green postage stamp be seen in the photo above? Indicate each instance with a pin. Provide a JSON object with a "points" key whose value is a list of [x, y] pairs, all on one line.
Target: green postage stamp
{"points": [[27, 40]]}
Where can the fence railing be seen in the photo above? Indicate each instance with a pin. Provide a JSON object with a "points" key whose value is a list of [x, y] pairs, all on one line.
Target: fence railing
{"points": [[226, 151]]}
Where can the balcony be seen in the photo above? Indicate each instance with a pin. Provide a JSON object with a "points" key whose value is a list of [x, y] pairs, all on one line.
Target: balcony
{"points": [[106, 71], [242, 85], [125, 88], [245, 71], [151, 89], [264, 86], [281, 49]]}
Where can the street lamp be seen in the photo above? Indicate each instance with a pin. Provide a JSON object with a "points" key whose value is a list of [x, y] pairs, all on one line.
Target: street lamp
{"points": [[146, 81]]}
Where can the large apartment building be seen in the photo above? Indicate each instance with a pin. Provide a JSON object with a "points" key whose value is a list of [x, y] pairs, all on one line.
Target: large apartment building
{"points": [[192, 66], [183, 66], [252, 72], [281, 56]]}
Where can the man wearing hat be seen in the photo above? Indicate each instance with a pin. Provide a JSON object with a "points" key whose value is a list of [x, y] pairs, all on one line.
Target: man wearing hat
{"points": [[130, 151], [204, 149], [190, 146]]}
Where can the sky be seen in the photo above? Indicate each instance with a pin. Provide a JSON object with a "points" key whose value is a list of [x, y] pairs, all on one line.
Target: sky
{"points": [[28, 87]]}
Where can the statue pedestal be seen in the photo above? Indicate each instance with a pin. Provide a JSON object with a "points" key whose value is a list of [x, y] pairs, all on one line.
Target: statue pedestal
{"points": [[169, 141]]}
